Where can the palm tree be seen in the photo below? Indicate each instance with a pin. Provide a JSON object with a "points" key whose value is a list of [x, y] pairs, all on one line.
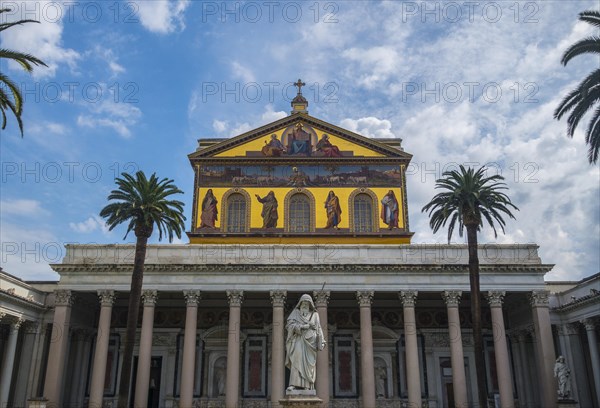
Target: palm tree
{"points": [[10, 94], [587, 94], [470, 197], [142, 203]]}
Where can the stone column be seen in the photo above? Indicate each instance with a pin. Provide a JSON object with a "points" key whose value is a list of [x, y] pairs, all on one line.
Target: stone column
{"points": [[142, 383], [459, 381], [186, 399], [232, 386], [545, 347], [59, 341], [367, 369], [413, 374], [278, 347], [505, 382], [590, 328], [107, 298], [9, 361], [322, 385]]}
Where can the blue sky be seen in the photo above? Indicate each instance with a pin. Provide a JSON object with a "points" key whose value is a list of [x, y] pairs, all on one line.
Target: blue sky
{"points": [[132, 85]]}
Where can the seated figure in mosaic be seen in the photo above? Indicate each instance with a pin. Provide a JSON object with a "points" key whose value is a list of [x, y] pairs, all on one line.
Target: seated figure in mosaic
{"points": [[304, 339]]}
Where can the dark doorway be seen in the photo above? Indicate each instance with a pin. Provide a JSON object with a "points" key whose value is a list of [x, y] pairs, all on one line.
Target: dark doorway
{"points": [[154, 388]]}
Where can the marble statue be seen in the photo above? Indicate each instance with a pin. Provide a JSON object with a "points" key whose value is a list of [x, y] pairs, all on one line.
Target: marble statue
{"points": [[563, 374], [304, 339]]}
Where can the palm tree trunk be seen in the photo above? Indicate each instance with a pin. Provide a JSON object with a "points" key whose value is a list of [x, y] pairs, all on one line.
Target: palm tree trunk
{"points": [[135, 293], [476, 315]]}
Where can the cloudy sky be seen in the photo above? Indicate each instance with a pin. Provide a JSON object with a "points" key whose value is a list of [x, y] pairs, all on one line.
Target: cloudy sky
{"points": [[133, 85]]}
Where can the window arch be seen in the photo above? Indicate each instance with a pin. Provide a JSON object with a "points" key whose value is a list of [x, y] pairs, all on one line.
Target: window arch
{"points": [[235, 211], [363, 208], [299, 211]]}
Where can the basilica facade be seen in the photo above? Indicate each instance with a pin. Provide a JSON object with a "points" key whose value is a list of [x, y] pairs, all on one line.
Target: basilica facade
{"points": [[298, 206]]}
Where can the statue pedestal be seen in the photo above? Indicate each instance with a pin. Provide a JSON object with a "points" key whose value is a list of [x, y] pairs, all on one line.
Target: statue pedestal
{"points": [[567, 403], [301, 399]]}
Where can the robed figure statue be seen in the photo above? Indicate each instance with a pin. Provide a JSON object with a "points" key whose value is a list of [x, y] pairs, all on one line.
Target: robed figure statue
{"points": [[304, 339]]}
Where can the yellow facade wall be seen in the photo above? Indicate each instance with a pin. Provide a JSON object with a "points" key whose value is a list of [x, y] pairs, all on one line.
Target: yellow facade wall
{"points": [[258, 143], [319, 193]]}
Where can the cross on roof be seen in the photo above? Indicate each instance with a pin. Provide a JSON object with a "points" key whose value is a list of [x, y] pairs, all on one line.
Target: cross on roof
{"points": [[299, 85]]}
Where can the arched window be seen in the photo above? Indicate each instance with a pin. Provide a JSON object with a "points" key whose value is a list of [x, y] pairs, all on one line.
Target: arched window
{"points": [[235, 216], [299, 213], [363, 209], [363, 213]]}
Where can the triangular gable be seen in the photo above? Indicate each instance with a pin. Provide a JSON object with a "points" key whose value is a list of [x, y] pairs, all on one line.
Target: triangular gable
{"points": [[350, 144]]}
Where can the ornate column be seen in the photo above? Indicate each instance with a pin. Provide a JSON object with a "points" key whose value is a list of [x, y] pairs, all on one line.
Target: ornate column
{"points": [[232, 386], [495, 299], [413, 374], [322, 385], [59, 340], [277, 346], [365, 298], [142, 383], [107, 298], [590, 328], [545, 347], [186, 399], [9, 361], [459, 381]]}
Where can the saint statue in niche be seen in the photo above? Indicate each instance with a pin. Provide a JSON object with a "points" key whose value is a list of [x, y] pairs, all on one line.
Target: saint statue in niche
{"points": [[269, 210], [274, 148], [334, 212], [380, 380], [208, 217], [325, 146], [563, 374], [304, 339], [389, 210]]}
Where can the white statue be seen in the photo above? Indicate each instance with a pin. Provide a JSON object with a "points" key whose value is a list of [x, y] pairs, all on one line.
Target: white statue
{"points": [[304, 339], [380, 380], [563, 374]]}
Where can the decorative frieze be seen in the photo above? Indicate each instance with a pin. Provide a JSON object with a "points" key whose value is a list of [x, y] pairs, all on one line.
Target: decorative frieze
{"points": [[63, 297], [365, 298], [408, 297], [235, 297], [107, 297], [191, 297], [495, 298], [15, 325], [567, 329], [452, 297], [539, 298], [321, 298], [149, 297], [278, 297]]}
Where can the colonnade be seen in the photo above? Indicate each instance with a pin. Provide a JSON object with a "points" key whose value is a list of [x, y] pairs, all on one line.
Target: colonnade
{"points": [[407, 299]]}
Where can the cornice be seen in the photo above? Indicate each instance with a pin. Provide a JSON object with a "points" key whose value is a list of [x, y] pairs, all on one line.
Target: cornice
{"points": [[277, 268], [577, 303], [5, 295]]}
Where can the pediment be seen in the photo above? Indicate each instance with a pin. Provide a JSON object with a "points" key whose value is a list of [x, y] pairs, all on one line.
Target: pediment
{"points": [[299, 136]]}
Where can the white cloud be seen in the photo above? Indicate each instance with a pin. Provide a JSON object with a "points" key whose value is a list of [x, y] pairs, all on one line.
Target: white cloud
{"points": [[242, 73], [219, 125], [270, 115], [43, 40], [162, 16], [89, 225], [369, 126], [22, 207], [118, 116]]}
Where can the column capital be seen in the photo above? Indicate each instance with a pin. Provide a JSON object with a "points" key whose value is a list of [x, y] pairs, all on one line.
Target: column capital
{"points": [[452, 297], [107, 297], [364, 297], [32, 327], [278, 297], [149, 297], [235, 297], [495, 297], [2, 314], [408, 297], [191, 297], [589, 323], [63, 297], [321, 297], [539, 298], [15, 325], [567, 329]]}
